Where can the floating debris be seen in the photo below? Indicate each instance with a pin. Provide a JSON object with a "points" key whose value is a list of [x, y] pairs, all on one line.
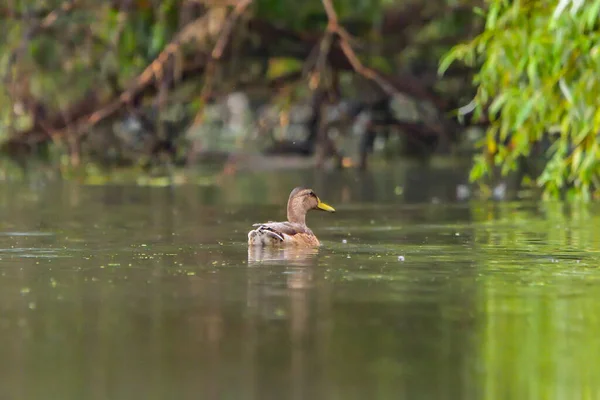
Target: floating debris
{"points": [[463, 192], [499, 192], [400, 258]]}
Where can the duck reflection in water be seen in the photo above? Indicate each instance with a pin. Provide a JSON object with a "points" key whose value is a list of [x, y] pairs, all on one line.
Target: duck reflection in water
{"points": [[284, 255]]}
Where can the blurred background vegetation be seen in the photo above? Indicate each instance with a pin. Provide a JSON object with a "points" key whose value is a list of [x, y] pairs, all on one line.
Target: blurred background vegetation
{"points": [[150, 85]]}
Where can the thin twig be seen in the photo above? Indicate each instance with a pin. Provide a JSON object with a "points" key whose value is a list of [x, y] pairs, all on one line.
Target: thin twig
{"points": [[212, 3], [321, 59], [47, 21], [153, 72], [10, 12], [331, 14], [51, 18], [217, 52]]}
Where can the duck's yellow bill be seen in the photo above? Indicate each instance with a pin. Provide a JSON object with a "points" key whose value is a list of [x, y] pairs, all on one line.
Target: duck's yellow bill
{"points": [[324, 206]]}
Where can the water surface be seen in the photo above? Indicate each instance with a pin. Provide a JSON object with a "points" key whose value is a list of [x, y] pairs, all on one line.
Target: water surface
{"points": [[123, 292]]}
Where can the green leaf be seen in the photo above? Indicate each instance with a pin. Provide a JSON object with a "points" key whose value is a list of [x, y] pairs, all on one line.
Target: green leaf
{"points": [[532, 71], [524, 113], [593, 15], [492, 16], [158, 40], [460, 52], [576, 160]]}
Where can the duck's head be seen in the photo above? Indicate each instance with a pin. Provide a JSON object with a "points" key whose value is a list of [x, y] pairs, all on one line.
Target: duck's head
{"points": [[301, 201]]}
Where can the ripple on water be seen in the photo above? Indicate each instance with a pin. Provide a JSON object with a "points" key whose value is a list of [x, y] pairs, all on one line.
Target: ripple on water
{"points": [[33, 252], [35, 233]]}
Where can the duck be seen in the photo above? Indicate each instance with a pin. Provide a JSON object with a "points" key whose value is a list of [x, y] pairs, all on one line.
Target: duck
{"points": [[293, 231]]}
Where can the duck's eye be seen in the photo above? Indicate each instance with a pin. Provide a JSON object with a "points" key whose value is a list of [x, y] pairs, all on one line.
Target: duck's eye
{"points": [[311, 193]]}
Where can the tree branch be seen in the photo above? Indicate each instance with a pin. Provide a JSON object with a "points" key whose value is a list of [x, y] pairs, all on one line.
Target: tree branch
{"points": [[334, 27], [217, 52]]}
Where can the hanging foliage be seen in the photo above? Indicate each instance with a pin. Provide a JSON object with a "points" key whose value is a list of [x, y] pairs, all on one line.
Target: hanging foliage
{"points": [[538, 82]]}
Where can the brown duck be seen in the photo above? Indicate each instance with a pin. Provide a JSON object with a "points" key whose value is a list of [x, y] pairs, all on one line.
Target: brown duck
{"points": [[294, 231]]}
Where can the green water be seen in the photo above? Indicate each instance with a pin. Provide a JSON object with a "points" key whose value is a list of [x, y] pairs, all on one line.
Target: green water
{"points": [[125, 292]]}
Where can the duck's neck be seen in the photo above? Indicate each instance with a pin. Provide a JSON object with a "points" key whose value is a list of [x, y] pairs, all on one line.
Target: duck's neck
{"points": [[295, 216]]}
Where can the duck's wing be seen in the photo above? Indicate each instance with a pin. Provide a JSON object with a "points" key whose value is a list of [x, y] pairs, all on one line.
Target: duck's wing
{"points": [[274, 232], [284, 228]]}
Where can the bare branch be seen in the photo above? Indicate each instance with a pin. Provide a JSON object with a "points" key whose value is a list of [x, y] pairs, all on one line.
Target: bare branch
{"points": [[345, 39], [218, 50], [226, 31]]}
